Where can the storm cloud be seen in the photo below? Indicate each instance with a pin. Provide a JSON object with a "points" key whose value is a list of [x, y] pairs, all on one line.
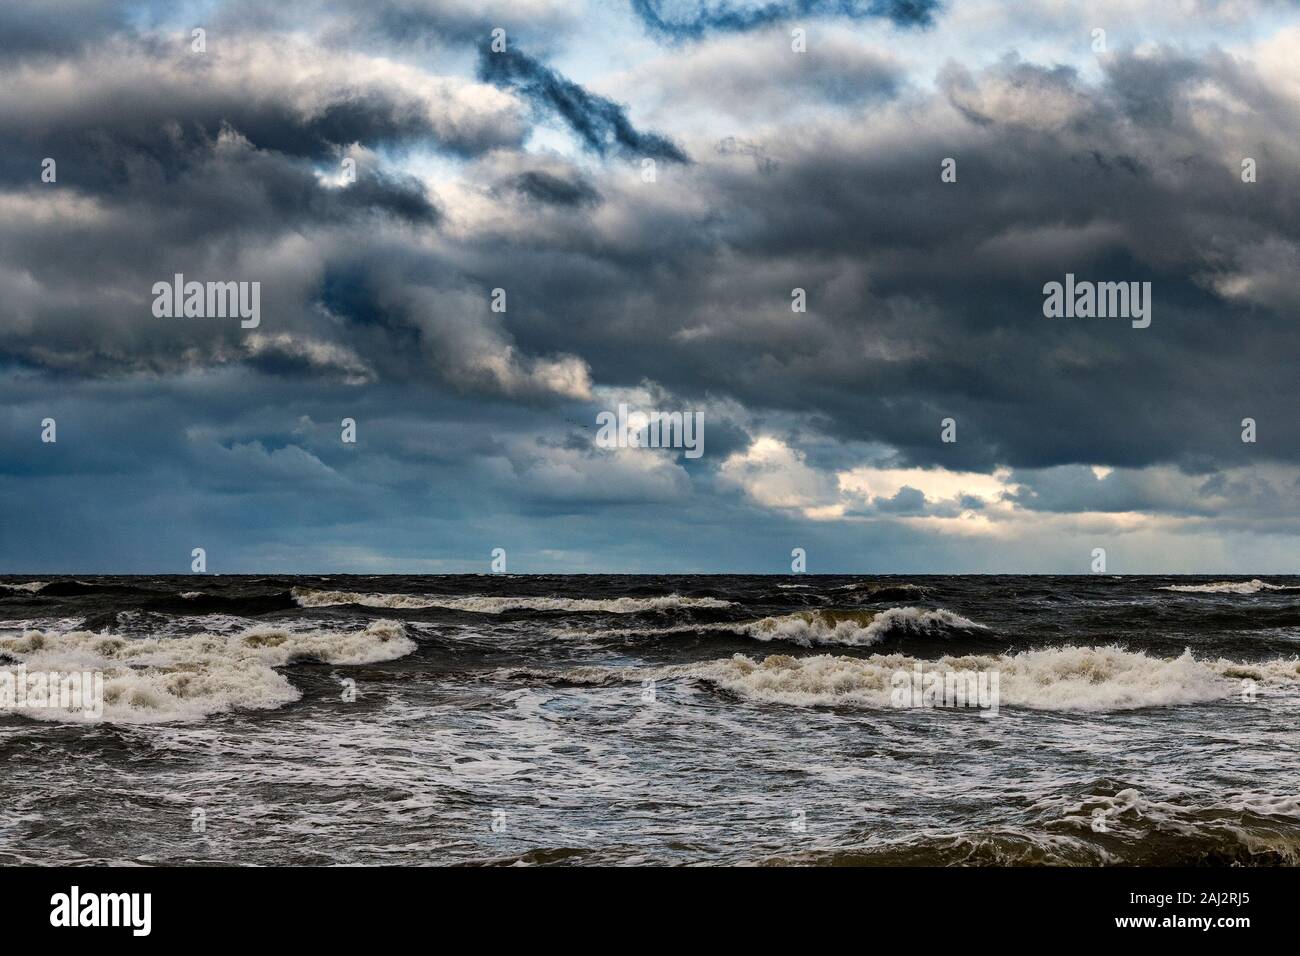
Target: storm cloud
{"points": [[461, 253], [601, 124]]}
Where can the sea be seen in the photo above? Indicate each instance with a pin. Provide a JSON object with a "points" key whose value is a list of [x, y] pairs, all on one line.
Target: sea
{"points": [[650, 720]]}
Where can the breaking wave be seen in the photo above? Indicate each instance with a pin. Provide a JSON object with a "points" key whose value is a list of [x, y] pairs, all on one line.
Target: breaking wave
{"points": [[481, 604], [1057, 679], [1253, 586], [157, 679], [816, 628], [1134, 830], [854, 628]]}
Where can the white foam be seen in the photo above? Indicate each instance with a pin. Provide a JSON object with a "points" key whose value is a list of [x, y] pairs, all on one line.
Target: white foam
{"points": [[1057, 679], [29, 586], [1132, 814], [483, 604], [155, 679], [18, 627], [853, 628], [805, 628], [1226, 587]]}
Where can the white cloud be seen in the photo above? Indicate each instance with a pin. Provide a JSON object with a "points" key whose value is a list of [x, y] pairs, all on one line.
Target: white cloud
{"points": [[776, 476], [937, 484]]}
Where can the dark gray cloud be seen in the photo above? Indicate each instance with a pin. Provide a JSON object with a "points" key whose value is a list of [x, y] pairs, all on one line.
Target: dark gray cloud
{"points": [[601, 124], [149, 101], [924, 297], [46, 27], [906, 501], [698, 18], [556, 190]]}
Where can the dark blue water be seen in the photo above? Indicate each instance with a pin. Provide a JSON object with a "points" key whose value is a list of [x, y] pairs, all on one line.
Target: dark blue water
{"points": [[654, 719]]}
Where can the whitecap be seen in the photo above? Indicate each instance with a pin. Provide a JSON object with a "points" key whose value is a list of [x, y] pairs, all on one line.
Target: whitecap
{"points": [[157, 679], [1055, 679], [1253, 586], [485, 604]]}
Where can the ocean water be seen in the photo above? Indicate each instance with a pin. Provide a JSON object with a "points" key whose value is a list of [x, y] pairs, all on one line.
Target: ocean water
{"points": [[653, 720]]}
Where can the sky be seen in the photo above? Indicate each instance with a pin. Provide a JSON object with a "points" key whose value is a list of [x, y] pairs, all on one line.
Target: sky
{"points": [[476, 226]]}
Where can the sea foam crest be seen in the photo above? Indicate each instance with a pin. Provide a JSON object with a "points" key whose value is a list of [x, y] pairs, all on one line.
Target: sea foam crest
{"points": [[156, 679], [485, 604], [1059, 679], [1253, 586], [854, 628], [822, 627]]}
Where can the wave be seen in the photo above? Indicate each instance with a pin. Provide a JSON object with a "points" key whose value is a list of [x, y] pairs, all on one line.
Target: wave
{"points": [[1055, 679], [483, 604], [206, 602], [854, 628], [79, 588], [1253, 586], [870, 591], [886, 592], [1099, 829], [15, 627], [157, 679], [31, 587], [805, 628]]}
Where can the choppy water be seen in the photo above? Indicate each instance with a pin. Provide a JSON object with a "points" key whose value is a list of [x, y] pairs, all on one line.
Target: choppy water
{"points": [[646, 719]]}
